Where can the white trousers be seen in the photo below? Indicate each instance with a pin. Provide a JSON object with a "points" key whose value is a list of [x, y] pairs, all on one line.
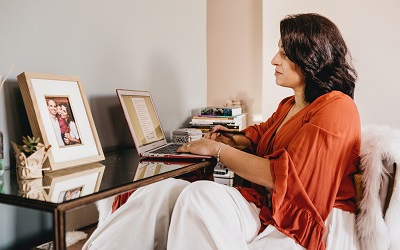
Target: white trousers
{"points": [[176, 214]]}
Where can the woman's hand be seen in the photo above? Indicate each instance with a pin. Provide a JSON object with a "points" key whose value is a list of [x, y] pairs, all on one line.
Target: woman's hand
{"points": [[250, 167], [67, 139], [217, 134], [233, 139], [202, 146]]}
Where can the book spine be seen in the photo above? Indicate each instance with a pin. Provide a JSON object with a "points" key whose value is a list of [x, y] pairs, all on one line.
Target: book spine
{"points": [[221, 111], [210, 117], [220, 116], [216, 123], [211, 121], [210, 126]]}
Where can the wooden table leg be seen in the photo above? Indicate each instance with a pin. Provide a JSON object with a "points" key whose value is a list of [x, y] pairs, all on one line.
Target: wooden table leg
{"points": [[59, 230]]}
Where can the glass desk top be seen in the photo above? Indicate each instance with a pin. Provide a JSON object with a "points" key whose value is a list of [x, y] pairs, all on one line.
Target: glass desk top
{"points": [[120, 171], [62, 191]]}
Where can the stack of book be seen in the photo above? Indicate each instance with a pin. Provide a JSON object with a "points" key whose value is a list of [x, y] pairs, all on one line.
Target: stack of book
{"points": [[230, 117]]}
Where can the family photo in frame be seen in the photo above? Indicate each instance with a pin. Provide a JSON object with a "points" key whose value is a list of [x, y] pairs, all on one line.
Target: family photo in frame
{"points": [[59, 113], [62, 119]]}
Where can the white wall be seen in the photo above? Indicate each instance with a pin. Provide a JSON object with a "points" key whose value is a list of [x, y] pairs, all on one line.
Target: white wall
{"points": [[138, 44], [372, 32]]}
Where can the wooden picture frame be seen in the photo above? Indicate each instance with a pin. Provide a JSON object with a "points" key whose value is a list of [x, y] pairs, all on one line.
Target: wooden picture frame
{"points": [[50, 99], [71, 183]]}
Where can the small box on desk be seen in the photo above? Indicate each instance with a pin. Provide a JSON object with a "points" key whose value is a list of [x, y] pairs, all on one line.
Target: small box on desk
{"points": [[184, 135], [224, 176]]}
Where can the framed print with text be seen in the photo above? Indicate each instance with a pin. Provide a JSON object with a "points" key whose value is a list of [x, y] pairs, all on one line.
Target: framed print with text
{"points": [[59, 113]]}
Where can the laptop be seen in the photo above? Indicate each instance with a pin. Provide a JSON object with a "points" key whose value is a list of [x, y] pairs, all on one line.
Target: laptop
{"points": [[145, 126]]}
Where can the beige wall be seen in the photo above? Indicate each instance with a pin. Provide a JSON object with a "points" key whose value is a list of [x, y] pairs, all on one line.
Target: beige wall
{"points": [[371, 30], [234, 54]]}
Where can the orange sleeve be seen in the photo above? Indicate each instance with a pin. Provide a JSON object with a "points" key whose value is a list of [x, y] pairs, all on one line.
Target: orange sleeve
{"points": [[309, 172], [120, 200]]}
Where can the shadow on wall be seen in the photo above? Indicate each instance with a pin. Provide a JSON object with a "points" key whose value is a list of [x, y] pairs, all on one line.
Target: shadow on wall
{"points": [[16, 116], [167, 89], [110, 123]]}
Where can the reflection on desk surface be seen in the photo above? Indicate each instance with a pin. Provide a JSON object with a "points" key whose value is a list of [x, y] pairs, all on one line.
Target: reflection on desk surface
{"points": [[150, 167], [71, 183], [63, 185], [119, 169]]}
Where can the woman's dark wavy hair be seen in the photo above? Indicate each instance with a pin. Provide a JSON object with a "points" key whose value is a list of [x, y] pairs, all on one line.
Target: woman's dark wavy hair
{"points": [[316, 45]]}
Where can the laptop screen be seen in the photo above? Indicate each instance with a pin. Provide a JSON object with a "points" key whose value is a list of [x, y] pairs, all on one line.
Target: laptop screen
{"points": [[142, 117], [144, 124]]}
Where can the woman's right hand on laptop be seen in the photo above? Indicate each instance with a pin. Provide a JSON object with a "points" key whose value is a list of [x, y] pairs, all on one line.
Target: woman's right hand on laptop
{"points": [[201, 147]]}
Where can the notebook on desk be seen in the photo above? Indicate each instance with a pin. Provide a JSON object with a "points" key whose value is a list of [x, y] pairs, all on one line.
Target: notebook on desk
{"points": [[145, 126]]}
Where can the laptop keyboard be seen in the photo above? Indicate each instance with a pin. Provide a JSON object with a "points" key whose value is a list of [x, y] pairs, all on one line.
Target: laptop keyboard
{"points": [[169, 149]]}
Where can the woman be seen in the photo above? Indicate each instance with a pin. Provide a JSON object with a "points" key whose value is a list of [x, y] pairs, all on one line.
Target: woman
{"points": [[72, 137], [301, 193], [63, 124]]}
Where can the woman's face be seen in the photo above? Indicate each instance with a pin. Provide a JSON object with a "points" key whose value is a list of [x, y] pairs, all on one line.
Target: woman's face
{"points": [[59, 110], [63, 112], [287, 73]]}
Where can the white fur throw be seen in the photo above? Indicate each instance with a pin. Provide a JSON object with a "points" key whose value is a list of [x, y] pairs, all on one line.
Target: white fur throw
{"points": [[74, 236], [375, 230], [104, 207]]}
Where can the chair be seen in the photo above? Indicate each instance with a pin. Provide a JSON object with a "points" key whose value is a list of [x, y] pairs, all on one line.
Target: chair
{"points": [[378, 218]]}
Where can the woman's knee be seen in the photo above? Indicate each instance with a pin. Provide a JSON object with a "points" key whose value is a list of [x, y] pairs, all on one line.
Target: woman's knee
{"points": [[201, 190], [168, 189]]}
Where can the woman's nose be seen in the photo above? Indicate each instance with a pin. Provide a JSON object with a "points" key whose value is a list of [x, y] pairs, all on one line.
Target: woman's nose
{"points": [[275, 60]]}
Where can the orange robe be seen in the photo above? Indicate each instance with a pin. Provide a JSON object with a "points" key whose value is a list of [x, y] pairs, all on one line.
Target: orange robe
{"points": [[314, 156]]}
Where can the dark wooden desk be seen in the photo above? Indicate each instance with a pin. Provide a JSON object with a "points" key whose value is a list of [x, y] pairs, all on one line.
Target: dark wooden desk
{"points": [[120, 168]]}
